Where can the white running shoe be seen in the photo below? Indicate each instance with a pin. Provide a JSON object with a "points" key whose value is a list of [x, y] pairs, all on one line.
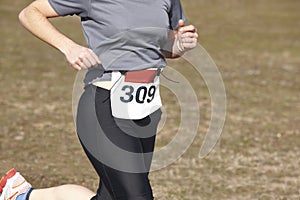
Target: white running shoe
{"points": [[12, 185]]}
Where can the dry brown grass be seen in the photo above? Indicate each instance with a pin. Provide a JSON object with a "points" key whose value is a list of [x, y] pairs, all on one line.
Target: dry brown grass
{"points": [[256, 46]]}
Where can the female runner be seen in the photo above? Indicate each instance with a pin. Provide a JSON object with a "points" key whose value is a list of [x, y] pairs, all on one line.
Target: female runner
{"points": [[119, 111]]}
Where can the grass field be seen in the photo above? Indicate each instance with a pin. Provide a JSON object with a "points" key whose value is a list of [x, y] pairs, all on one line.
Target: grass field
{"points": [[256, 45]]}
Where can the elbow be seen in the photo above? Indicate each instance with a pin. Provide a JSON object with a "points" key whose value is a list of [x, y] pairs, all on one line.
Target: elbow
{"points": [[28, 14], [23, 16]]}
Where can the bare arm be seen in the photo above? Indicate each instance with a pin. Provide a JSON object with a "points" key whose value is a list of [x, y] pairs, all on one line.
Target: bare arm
{"points": [[181, 40], [35, 19]]}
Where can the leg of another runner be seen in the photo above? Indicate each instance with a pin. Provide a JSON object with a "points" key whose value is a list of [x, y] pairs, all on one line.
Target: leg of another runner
{"points": [[63, 192]]}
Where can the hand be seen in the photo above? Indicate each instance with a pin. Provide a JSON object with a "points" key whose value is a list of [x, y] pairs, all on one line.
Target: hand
{"points": [[80, 57], [186, 37]]}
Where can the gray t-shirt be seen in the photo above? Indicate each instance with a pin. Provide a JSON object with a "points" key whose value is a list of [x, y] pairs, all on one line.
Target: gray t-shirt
{"points": [[125, 34]]}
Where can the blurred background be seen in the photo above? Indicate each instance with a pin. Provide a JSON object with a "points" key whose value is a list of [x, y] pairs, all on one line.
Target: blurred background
{"points": [[256, 46]]}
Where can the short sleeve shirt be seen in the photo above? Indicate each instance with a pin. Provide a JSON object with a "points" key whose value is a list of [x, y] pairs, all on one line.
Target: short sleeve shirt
{"points": [[126, 34]]}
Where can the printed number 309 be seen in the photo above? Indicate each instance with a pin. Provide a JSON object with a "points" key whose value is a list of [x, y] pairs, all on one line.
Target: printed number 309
{"points": [[142, 94]]}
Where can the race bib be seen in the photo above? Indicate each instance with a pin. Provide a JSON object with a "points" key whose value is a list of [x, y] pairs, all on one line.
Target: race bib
{"points": [[135, 95]]}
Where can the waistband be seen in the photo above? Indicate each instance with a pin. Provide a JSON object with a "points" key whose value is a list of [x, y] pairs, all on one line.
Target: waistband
{"points": [[123, 72]]}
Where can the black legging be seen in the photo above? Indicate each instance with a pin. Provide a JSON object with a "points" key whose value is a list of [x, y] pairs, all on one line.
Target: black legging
{"points": [[99, 133]]}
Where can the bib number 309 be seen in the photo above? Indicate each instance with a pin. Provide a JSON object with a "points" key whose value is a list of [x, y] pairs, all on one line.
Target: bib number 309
{"points": [[141, 95], [134, 100]]}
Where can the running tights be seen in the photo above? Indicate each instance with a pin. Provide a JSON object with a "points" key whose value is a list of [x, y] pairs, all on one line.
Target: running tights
{"points": [[120, 150]]}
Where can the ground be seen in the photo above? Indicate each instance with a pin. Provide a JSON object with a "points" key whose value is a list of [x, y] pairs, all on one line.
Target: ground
{"points": [[256, 47]]}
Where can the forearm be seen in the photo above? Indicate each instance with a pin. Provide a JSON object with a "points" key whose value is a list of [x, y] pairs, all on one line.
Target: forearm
{"points": [[170, 55], [34, 19], [170, 49]]}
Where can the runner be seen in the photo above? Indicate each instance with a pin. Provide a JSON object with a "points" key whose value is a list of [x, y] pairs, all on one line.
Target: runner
{"points": [[119, 111]]}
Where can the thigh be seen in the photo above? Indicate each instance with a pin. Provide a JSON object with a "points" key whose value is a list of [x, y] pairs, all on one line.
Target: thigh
{"points": [[119, 185]]}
